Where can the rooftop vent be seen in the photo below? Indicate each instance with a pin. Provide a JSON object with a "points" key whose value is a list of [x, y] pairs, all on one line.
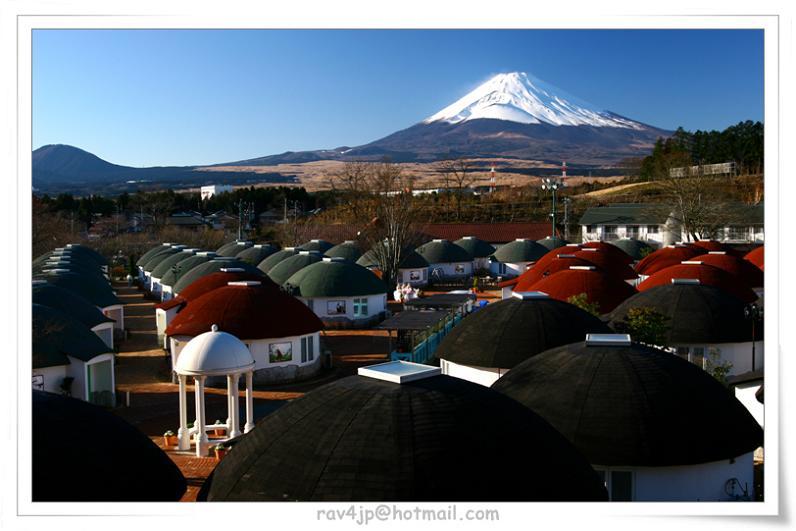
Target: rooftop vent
{"points": [[590, 249], [566, 256], [191, 250], [686, 281], [438, 240], [289, 249], [57, 271], [717, 252], [527, 295], [231, 270], [467, 237], [573, 245], [398, 371], [209, 254], [39, 282], [349, 242], [333, 259], [521, 240], [691, 262], [246, 283], [608, 340], [583, 268]]}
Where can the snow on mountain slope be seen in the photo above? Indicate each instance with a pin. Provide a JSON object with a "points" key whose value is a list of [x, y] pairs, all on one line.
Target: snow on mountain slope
{"points": [[518, 97]]}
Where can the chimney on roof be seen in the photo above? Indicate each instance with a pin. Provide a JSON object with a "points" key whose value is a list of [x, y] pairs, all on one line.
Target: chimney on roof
{"points": [[608, 340]]}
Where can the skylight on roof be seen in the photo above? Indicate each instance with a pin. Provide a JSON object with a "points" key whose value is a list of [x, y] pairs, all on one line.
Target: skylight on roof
{"points": [[247, 283], [717, 252], [583, 268], [527, 295], [399, 371], [608, 340], [686, 281], [231, 270]]}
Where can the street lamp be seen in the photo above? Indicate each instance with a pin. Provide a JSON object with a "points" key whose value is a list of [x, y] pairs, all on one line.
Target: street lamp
{"points": [[552, 184], [754, 313]]}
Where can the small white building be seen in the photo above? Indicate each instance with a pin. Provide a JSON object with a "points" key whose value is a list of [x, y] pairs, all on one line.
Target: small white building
{"points": [[341, 293], [206, 192], [643, 222], [446, 260], [513, 258]]}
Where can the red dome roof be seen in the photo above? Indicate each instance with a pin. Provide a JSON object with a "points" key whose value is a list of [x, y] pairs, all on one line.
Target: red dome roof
{"points": [[709, 245], [665, 257], [210, 282], [755, 256], [551, 255], [706, 274], [609, 262], [612, 250], [537, 273], [246, 312], [742, 269], [605, 290]]}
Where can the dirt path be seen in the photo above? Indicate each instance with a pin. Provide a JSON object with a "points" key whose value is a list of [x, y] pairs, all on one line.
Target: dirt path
{"points": [[614, 189]]}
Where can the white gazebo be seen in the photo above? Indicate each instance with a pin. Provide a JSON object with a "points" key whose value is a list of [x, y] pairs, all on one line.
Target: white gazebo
{"points": [[213, 353]]}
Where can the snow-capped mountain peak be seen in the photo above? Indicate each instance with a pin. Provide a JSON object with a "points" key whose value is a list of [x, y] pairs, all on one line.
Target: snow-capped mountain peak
{"points": [[518, 97]]}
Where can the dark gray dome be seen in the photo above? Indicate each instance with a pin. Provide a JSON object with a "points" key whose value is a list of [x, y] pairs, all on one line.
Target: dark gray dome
{"points": [[334, 278], [152, 252], [97, 292], [179, 269], [439, 438], [696, 314], [633, 405], [214, 265], [552, 243], [257, 253], [506, 333], [348, 249], [69, 302], [292, 264], [636, 249], [166, 264], [443, 252], [476, 247], [520, 251], [320, 246], [233, 248], [153, 262], [266, 265], [68, 467], [57, 335]]}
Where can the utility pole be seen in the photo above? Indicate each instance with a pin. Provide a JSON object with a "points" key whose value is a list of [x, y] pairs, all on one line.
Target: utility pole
{"points": [[566, 202]]}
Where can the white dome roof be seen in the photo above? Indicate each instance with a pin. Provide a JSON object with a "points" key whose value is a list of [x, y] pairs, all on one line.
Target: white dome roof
{"points": [[214, 353]]}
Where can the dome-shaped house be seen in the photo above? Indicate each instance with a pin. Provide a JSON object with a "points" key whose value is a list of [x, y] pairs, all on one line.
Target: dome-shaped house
{"points": [[97, 291], [320, 246], [540, 271], [704, 324], [513, 258], [756, 256], [741, 269], [282, 334], [413, 269], [266, 265], [341, 293], [707, 275], [160, 270], [69, 358], [293, 264], [446, 260], [76, 306], [257, 253], [478, 249], [213, 266], [77, 267], [656, 427], [165, 311], [552, 243], [179, 269], [665, 257], [606, 291], [76, 250], [635, 249], [155, 260], [613, 251], [149, 254], [348, 250], [490, 342], [366, 439], [233, 248], [68, 465]]}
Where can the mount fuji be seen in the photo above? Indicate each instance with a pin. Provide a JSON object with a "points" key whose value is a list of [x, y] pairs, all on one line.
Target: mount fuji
{"points": [[512, 115]]}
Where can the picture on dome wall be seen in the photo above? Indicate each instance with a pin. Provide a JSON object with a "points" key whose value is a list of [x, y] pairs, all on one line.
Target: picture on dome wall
{"points": [[335, 307], [278, 352]]}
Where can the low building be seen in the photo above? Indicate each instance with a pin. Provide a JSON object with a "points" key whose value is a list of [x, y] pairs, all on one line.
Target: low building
{"points": [[513, 259], [446, 260], [654, 426], [645, 222], [478, 249], [341, 293]]}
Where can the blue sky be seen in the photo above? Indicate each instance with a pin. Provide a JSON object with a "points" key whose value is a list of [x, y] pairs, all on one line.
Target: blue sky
{"points": [[190, 97]]}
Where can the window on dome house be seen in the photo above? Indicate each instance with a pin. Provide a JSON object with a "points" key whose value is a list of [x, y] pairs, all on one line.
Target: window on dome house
{"points": [[360, 307], [303, 350], [310, 348]]}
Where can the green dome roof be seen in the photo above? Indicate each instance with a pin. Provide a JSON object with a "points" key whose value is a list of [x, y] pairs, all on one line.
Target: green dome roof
{"points": [[636, 249], [152, 252], [349, 250], [316, 245], [477, 247], [69, 302], [57, 334], [443, 252], [335, 278], [97, 292], [165, 265], [179, 269], [552, 243], [257, 253], [213, 266], [153, 262], [266, 265], [292, 264], [413, 261], [83, 250], [233, 248], [520, 251]]}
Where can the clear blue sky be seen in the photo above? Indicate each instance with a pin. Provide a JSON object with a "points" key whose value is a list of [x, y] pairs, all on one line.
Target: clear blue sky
{"points": [[190, 97]]}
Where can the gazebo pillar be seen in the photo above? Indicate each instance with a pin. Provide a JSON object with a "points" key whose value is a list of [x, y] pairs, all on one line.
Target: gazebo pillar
{"points": [[249, 403], [201, 436], [235, 403], [230, 406], [183, 434]]}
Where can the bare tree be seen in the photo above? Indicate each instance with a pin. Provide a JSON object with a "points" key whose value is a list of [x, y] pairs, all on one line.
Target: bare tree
{"points": [[351, 181], [457, 175]]}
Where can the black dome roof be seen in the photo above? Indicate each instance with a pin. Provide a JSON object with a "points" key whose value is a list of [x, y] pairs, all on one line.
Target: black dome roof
{"points": [[67, 465], [68, 302], [506, 333], [633, 405], [696, 313], [438, 438]]}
